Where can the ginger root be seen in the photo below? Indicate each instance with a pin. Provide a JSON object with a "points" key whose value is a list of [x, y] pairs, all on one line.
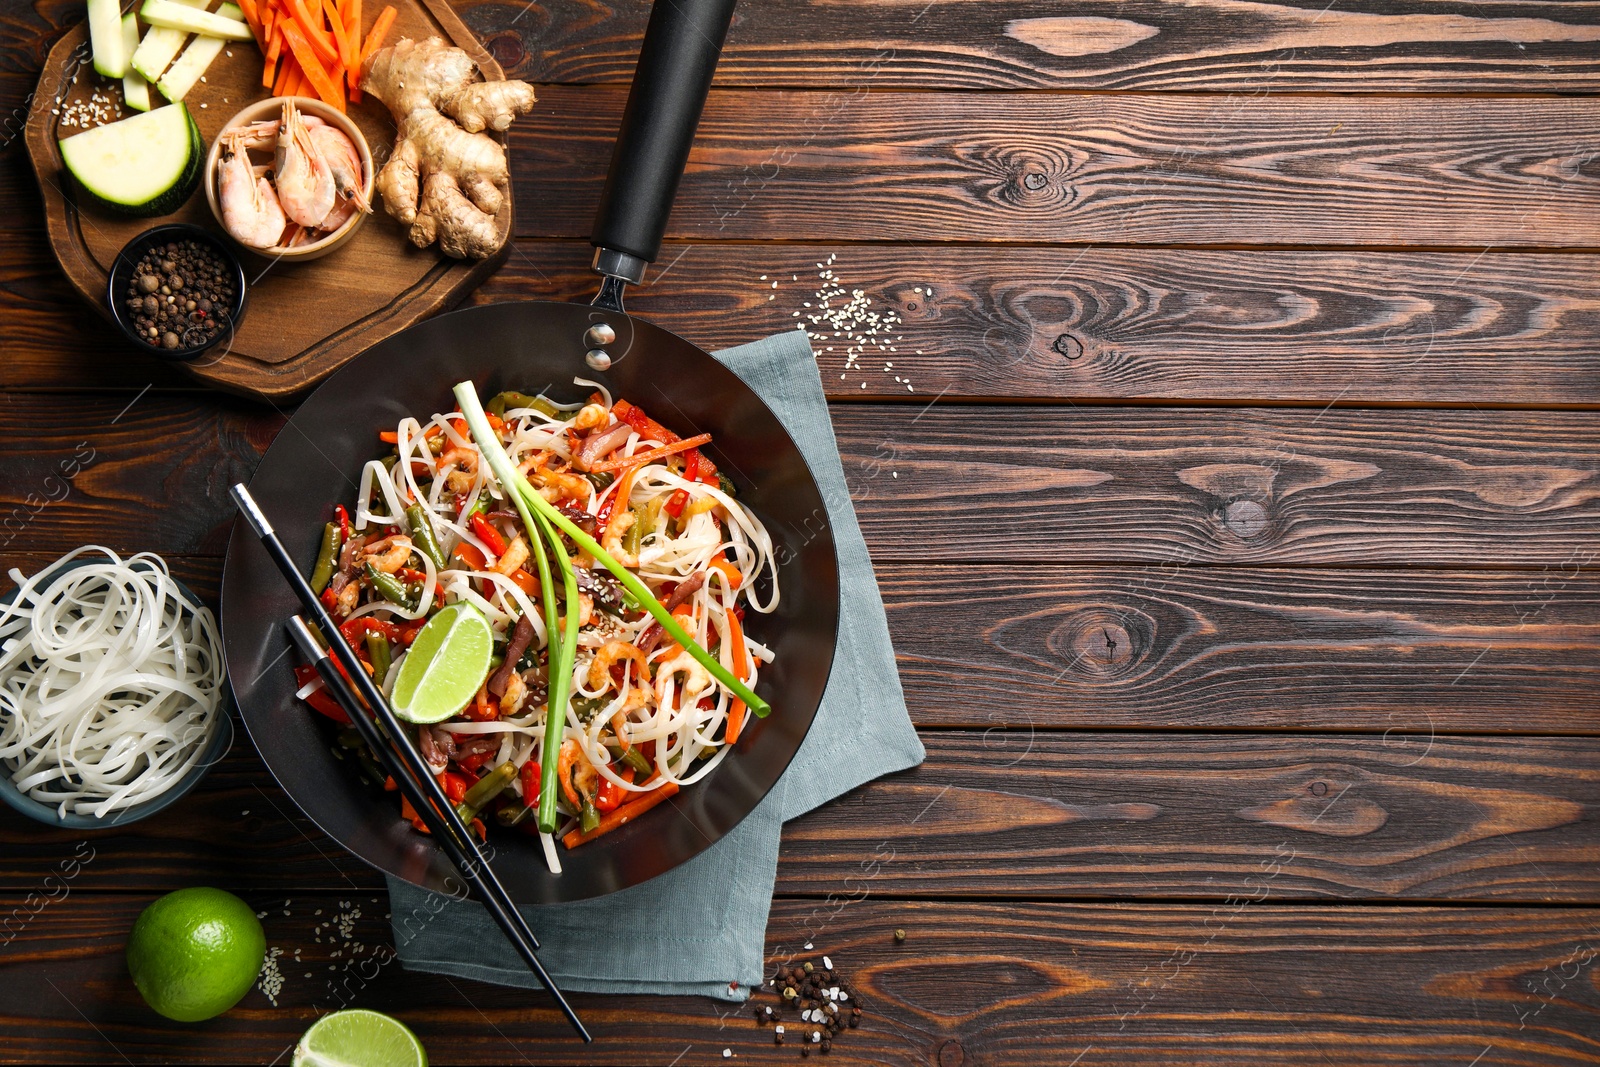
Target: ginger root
{"points": [[446, 178]]}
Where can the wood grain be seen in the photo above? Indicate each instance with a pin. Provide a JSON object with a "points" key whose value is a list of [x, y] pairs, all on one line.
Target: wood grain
{"points": [[1025, 813], [1095, 169], [1403, 654], [1167, 487], [1214, 45], [1170, 646], [1030, 983], [1140, 324]]}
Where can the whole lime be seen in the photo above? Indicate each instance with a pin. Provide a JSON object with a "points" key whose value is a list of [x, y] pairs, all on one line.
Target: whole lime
{"points": [[195, 952]]}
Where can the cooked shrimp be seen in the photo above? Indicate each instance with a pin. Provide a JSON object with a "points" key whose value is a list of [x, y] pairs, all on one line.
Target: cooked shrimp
{"points": [[346, 598], [458, 458], [590, 416], [556, 486], [695, 678], [516, 555], [250, 208], [612, 541], [305, 182], [619, 721], [609, 654], [516, 692], [572, 763], [390, 554]]}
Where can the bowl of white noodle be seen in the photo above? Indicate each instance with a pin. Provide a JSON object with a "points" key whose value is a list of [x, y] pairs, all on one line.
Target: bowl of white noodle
{"points": [[112, 690]]}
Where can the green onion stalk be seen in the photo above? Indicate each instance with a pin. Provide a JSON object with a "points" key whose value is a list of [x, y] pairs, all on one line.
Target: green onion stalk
{"points": [[539, 516], [521, 490]]}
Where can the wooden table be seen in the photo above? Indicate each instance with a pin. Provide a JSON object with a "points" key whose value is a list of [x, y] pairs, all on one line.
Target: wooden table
{"points": [[1238, 529]]}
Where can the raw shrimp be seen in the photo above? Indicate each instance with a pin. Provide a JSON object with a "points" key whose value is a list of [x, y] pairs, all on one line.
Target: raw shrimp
{"points": [[305, 181], [344, 163], [250, 208]]}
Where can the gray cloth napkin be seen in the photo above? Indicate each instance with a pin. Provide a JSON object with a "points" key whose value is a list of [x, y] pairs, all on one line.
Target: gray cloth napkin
{"points": [[709, 916]]}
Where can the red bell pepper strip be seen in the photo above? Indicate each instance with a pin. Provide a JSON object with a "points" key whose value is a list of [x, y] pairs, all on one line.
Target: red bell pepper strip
{"points": [[485, 532], [319, 699], [454, 786], [650, 429], [342, 517], [530, 782], [610, 797]]}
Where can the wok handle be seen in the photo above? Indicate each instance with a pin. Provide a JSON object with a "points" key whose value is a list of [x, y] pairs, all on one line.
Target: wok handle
{"points": [[676, 62]]}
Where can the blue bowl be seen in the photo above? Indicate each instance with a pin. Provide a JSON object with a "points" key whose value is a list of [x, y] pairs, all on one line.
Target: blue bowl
{"points": [[218, 747]]}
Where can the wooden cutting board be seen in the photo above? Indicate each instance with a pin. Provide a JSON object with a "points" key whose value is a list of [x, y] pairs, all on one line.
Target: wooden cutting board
{"points": [[303, 320]]}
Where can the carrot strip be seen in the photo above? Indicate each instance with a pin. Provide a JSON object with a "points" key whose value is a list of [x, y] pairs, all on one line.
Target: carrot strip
{"points": [[352, 29], [269, 72], [341, 38], [314, 72], [375, 36], [741, 671], [251, 16], [310, 29], [652, 455], [288, 75], [621, 815]]}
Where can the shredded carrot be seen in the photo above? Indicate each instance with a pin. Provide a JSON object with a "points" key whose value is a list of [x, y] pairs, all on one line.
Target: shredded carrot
{"points": [[652, 455], [288, 76], [729, 571], [621, 815], [311, 30], [375, 36], [251, 15], [352, 29], [314, 72], [741, 671], [341, 38]]}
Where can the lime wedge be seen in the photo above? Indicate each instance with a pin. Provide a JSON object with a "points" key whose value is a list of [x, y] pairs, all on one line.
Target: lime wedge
{"points": [[359, 1038], [447, 663]]}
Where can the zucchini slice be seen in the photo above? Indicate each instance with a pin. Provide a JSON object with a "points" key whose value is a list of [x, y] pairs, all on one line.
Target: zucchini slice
{"points": [[175, 16], [135, 90], [146, 165], [181, 76], [160, 46], [105, 38]]}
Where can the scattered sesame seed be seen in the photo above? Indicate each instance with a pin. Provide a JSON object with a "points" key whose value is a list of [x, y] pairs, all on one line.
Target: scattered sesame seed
{"points": [[808, 944], [727, 1052], [827, 964]]}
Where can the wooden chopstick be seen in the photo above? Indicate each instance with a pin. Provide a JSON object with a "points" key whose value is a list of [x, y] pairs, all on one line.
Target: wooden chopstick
{"points": [[371, 715]]}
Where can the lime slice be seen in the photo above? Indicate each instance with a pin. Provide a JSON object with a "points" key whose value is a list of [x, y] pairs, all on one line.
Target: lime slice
{"points": [[359, 1038], [447, 663]]}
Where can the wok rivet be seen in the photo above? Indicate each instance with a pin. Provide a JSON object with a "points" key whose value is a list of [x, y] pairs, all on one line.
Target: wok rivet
{"points": [[598, 358], [599, 335]]}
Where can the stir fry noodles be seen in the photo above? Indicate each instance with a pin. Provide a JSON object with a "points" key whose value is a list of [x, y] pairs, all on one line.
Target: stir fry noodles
{"points": [[621, 604]]}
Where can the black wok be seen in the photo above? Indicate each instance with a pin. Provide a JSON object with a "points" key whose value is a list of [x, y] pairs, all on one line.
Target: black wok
{"points": [[534, 346]]}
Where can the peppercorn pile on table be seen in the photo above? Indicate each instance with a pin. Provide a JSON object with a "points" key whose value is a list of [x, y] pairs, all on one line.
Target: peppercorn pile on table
{"points": [[1219, 394]]}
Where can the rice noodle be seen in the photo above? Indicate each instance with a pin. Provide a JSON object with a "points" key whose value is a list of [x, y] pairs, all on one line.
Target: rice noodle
{"points": [[713, 529], [110, 683]]}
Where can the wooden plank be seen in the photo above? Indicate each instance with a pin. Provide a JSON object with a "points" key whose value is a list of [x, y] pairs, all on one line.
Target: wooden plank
{"points": [[1025, 813], [1026, 984], [1173, 647], [1168, 487], [1143, 324], [1467, 173], [1169, 646], [1214, 45]]}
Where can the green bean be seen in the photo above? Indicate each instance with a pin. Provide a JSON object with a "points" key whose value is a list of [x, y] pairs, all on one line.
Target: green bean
{"points": [[513, 399], [327, 558], [631, 758], [388, 586], [422, 534], [515, 815], [485, 789], [635, 535], [588, 816], [600, 479], [378, 651]]}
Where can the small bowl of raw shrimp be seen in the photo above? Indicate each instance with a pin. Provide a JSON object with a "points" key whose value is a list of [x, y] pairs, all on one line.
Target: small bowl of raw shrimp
{"points": [[290, 178]]}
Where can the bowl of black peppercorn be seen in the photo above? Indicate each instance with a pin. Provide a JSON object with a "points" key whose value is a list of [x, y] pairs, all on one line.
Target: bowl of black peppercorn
{"points": [[176, 291]]}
